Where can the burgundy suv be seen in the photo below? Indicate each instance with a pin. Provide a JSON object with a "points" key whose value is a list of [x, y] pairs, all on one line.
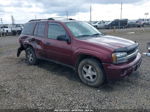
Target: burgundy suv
{"points": [[94, 56]]}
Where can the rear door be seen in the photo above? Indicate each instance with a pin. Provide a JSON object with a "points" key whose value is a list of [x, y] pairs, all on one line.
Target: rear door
{"points": [[27, 33], [56, 49], [39, 38]]}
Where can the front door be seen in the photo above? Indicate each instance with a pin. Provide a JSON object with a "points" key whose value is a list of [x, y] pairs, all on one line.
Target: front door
{"points": [[58, 50]]}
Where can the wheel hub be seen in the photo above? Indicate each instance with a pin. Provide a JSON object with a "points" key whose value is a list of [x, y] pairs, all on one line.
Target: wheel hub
{"points": [[89, 73], [30, 56]]}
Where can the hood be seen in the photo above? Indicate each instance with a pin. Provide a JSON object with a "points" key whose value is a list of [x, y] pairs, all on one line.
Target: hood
{"points": [[111, 42]]}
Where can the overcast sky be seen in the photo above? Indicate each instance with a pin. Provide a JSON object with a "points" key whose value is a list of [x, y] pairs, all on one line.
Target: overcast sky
{"points": [[24, 10]]}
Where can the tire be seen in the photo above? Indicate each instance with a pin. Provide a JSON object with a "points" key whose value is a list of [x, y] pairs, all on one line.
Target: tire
{"points": [[91, 73], [31, 56]]}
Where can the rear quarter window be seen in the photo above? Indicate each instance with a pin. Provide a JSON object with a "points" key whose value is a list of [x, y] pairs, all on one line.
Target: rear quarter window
{"points": [[28, 28]]}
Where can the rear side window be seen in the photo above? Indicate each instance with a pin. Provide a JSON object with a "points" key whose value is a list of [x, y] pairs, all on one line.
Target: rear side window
{"points": [[40, 30], [28, 28], [55, 30]]}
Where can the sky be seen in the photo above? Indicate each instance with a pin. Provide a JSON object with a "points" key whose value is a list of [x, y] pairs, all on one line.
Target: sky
{"points": [[25, 10]]}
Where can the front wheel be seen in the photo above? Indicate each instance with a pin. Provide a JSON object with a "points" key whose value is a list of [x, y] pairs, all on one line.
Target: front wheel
{"points": [[90, 72], [31, 56]]}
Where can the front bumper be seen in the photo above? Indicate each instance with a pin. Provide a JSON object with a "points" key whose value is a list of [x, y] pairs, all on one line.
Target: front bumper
{"points": [[114, 72]]}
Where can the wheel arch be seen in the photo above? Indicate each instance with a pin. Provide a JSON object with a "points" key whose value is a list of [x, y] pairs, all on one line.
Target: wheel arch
{"points": [[26, 45], [81, 57]]}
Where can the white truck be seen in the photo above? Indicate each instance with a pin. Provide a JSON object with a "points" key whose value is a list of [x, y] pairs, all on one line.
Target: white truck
{"points": [[5, 30], [100, 24], [10, 29], [16, 29]]}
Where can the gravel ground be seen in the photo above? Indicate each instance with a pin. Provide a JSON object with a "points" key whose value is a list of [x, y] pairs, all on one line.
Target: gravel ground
{"points": [[52, 86]]}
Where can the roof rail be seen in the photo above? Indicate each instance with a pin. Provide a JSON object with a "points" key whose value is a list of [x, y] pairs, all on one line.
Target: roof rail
{"points": [[55, 18], [60, 18], [37, 20]]}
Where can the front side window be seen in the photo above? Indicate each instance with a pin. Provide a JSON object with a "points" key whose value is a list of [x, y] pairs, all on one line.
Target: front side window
{"points": [[82, 29], [40, 30], [55, 30], [28, 28]]}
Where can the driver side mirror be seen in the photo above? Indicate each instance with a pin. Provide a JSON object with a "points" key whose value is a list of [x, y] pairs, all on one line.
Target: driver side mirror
{"points": [[64, 38]]}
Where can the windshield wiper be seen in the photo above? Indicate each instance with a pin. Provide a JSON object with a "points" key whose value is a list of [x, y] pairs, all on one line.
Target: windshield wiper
{"points": [[96, 34], [83, 35]]}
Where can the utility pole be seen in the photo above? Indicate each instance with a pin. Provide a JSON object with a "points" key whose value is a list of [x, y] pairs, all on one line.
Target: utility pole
{"points": [[13, 20], [146, 14], [121, 11], [120, 16], [91, 11], [1, 20]]}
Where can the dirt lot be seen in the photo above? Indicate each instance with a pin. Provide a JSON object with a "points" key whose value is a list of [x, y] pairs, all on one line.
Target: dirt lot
{"points": [[53, 86]]}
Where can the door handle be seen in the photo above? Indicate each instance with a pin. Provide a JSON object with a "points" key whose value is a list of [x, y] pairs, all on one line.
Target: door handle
{"points": [[48, 43]]}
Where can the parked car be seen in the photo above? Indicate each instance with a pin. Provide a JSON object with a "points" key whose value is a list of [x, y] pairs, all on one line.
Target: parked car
{"points": [[132, 23], [94, 56], [143, 22], [99, 24], [16, 29], [5, 30], [148, 47], [11, 29], [94, 23], [117, 24], [140, 23], [146, 21]]}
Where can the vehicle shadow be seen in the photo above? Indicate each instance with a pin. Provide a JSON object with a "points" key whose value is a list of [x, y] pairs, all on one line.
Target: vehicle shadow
{"points": [[128, 81], [57, 69], [71, 75]]}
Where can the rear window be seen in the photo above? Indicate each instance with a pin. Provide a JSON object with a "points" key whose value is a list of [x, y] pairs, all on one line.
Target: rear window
{"points": [[28, 28]]}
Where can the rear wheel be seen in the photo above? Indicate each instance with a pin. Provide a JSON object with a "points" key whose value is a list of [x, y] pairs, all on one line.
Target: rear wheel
{"points": [[30, 56], [90, 72]]}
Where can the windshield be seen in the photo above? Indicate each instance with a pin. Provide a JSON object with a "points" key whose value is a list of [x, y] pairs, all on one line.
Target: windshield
{"points": [[82, 29]]}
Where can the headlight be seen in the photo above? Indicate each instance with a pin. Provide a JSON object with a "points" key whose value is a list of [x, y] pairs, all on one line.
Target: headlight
{"points": [[119, 57]]}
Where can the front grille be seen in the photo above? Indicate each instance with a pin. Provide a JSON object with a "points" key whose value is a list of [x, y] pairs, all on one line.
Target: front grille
{"points": [[131, 51], [132, 54]]}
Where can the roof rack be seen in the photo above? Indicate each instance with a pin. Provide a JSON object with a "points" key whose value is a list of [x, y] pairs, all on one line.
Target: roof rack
{"points": [[55, 18], [37, 20], [60, 18]]}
